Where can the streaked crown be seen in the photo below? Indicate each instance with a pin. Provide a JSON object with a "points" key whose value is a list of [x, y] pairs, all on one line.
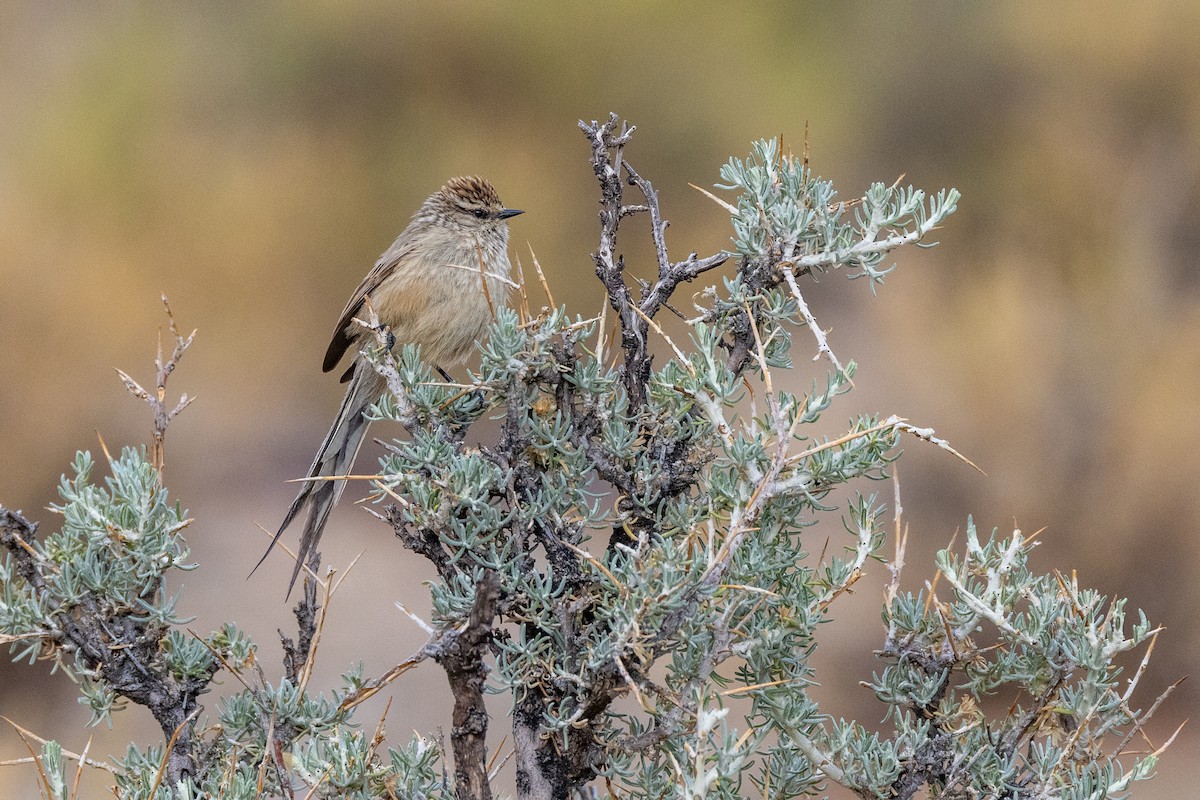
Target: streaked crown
{"points": [[473, 197], [471, 191]]}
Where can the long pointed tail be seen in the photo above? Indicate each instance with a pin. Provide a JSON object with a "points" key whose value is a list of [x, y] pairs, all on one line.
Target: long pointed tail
{"points": [[335, 457]]}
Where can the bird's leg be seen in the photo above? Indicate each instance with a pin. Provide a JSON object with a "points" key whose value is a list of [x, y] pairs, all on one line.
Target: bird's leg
{"points": [[445, 375], [383, 332]]}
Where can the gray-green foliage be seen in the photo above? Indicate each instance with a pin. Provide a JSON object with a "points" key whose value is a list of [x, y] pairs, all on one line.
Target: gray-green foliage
{"points": [[659, 601], [104, 568]]}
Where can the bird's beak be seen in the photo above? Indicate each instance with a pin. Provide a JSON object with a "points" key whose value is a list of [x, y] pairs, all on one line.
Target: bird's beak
{"points": [[510, 212]]}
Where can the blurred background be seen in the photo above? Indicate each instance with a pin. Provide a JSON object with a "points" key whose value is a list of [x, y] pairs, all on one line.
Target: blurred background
{"points": [[252, 160]]}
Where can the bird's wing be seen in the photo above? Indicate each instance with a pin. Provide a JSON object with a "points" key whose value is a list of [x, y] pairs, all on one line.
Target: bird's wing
{"points": [[347, 330]]}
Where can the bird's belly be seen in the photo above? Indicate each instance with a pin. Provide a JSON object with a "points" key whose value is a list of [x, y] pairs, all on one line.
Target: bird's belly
{"points": [[445, 314]]}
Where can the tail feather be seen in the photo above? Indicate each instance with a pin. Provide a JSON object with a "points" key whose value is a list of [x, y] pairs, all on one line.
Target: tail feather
{"points": [[334, 457]]}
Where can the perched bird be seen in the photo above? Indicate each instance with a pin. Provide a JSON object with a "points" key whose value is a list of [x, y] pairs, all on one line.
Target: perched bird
{"points": [[427, 290]]}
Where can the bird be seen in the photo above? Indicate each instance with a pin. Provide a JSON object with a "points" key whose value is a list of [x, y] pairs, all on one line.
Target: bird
{"points": [[427, 290]]}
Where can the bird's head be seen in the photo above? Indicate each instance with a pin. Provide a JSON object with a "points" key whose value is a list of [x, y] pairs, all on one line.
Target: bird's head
{"points": [[470, 203]]}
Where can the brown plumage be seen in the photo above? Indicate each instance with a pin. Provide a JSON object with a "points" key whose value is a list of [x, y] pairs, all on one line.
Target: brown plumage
{"points": [[422, 300]]}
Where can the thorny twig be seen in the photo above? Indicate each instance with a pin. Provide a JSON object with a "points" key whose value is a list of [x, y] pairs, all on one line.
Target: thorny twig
{"points": [[157, 400], [606, 138]]}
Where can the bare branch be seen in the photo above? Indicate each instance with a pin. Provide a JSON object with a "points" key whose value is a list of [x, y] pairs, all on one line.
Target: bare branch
{"points": [[157, 400], [461, 655]]}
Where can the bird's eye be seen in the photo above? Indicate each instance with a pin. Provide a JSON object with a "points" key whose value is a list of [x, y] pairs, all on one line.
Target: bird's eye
{"points": [[480, 213]]}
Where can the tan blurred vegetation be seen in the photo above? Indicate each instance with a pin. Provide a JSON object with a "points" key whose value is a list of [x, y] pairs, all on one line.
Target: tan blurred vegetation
{"points": [[251, 161]]}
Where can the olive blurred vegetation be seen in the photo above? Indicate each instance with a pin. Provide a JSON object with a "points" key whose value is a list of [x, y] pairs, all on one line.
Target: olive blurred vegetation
{"points": [[252, 160]]}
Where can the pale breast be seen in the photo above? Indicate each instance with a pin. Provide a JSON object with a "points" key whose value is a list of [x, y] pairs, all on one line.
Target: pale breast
{"points": [[438, 300]]}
